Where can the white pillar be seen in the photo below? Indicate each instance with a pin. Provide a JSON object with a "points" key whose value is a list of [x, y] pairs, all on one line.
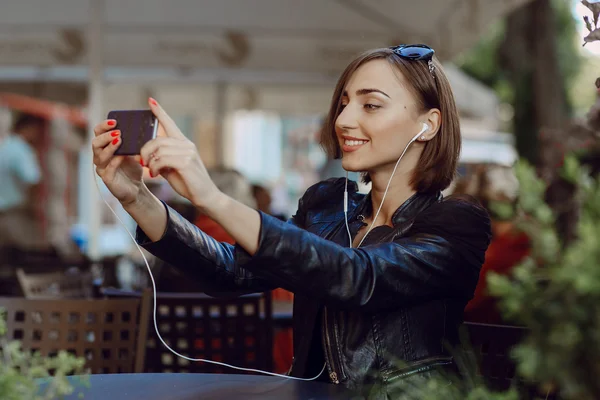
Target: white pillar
{"points": [[90, 205], [220, 106]]}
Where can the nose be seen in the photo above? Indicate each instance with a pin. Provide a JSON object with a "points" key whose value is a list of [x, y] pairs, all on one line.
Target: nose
{"points": [[346, 120]]}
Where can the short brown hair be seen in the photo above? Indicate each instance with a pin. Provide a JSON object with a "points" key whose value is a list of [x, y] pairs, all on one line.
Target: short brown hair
{"points": [[437, 166]]}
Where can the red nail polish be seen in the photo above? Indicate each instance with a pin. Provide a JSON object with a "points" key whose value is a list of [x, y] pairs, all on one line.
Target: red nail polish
{"points": [[151, 174], [115, 133], [153, 102], [111, 123], [142, 162], [115, 141]]}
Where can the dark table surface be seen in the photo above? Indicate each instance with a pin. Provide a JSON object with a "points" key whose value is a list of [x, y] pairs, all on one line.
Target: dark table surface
{"points": [[205, 387]]}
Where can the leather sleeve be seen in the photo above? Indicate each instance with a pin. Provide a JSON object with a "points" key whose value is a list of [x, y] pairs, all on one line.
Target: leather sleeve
{"points": [[200, 257], [440, 256]]}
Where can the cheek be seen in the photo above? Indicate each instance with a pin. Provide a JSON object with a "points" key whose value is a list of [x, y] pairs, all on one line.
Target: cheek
{"points": [[389, 131]]}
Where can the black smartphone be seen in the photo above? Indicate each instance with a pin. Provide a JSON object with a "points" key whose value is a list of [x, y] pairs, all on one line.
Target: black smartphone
{"points": [[137, 128]]}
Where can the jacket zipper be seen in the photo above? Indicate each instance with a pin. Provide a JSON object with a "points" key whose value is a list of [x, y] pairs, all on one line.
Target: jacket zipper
{"points": [[334, 373], [329, 357], [419, 367]]}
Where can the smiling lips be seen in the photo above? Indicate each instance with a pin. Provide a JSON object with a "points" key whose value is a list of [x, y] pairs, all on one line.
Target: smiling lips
{"points": [[351, 144]]}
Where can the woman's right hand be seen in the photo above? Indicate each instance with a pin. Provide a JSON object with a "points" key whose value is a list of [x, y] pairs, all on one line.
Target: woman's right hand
{"points": [[122, 175]]}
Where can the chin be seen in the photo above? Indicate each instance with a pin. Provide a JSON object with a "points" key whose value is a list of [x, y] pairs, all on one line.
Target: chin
{"points": [[353, 167]]}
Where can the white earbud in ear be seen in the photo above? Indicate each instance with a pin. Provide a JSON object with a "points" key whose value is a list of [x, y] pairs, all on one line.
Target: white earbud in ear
{"points": [[420, 134], [425, 128]]}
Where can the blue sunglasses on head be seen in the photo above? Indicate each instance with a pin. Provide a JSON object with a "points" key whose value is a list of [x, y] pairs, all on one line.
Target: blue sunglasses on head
{"points": [[416, 52]]}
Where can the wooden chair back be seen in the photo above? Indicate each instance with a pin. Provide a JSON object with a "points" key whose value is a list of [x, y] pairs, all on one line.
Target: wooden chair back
{"points": [[55, 285], [234, 330], [108, 333]]}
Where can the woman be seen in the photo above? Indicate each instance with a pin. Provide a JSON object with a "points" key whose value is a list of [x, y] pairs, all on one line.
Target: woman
{"points": [[398, 293]]}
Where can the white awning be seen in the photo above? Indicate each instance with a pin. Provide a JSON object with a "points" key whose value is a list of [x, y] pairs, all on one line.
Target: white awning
{"points": [[318, 36]]}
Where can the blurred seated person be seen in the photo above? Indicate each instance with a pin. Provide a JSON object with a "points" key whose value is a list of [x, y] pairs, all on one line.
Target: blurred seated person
{"points": [[20, 176], [263, 199], [236, 186], [495, 184]]}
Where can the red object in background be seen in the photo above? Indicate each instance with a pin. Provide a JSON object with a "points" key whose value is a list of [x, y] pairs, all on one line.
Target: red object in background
{"points": [[213, 229], [283, 350], [44, 109], [506, 250], [283, 342]]}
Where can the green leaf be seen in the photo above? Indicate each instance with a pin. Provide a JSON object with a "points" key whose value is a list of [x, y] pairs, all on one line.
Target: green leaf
{"points": [[571, 170], [21, 372]]}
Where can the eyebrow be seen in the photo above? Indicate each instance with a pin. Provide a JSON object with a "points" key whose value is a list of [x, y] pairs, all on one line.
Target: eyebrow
{"points": [[362, 92]]}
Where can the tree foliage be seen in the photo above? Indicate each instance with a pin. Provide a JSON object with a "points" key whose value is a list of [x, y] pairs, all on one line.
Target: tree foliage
{"points": [[483, 63], [554, 292]]}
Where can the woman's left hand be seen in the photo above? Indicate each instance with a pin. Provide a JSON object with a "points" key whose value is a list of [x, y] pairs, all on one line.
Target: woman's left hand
{"points": [[176, 158]]}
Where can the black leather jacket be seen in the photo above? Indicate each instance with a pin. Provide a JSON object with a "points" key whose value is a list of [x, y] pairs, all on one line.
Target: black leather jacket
{"points": [[399, 297]]}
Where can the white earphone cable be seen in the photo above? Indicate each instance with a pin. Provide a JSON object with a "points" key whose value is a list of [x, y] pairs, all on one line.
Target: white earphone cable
{"points": [[154, 306], [346, 210], [425, 127]]}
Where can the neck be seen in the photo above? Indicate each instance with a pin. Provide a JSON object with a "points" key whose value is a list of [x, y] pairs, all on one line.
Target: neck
{"points": [[398, 192]]}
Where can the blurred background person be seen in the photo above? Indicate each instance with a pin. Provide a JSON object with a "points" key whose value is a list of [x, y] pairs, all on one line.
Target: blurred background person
{"points": [[237, 186], [263, 199], [20, 177]]}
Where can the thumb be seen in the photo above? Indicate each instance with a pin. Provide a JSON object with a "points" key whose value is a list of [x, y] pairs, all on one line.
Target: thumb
{"points": [[171, 129]]}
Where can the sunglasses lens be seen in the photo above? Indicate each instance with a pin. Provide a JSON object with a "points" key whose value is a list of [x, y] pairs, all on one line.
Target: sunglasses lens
{"points": [[415, 52]]}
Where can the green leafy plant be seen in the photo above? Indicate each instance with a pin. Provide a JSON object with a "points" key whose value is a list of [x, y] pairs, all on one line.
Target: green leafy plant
{"points": [[29, 376], [554, 292], [467, 387]]}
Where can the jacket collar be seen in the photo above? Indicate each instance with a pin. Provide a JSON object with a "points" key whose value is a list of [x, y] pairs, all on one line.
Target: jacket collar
{"points": [[413, 206], [407, 210]]}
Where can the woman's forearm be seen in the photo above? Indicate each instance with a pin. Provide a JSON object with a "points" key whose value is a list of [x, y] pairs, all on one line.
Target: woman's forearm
{"points": [[240, 221], [149, 213], [201, 258]]}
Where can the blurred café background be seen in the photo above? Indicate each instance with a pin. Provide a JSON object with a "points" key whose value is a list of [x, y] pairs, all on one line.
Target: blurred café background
{"points": [[250, 83]]}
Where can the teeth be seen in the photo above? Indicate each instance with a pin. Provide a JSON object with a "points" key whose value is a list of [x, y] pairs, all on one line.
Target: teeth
{"points": [[354, 142]]}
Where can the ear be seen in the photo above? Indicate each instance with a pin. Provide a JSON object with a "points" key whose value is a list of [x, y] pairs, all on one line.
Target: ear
{"points": [[433, 118]]}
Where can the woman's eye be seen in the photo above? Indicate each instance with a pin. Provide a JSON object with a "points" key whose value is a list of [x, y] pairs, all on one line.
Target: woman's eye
{"points": [[371, 106]]}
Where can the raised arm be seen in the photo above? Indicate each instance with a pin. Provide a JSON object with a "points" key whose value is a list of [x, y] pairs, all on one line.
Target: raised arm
{"points": [[160, 229], [185, 247], [440, 256]]}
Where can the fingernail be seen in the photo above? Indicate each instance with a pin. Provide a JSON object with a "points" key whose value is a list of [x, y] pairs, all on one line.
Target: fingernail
{"points": [[115, 133], [153, 102], [151, 174], [142, 162], [111, 122], [115, 141]]}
